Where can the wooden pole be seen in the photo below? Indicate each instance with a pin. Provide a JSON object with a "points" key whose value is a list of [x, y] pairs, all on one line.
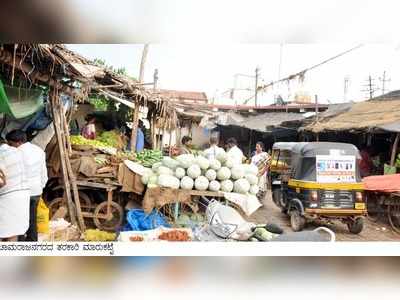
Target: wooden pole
{"points": [[69, 176], [394, 149], [57, 129], [135, 120], [67, 136]]}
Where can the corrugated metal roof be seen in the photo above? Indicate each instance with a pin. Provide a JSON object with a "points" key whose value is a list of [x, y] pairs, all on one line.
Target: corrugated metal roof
{"points": [[260, 122]]}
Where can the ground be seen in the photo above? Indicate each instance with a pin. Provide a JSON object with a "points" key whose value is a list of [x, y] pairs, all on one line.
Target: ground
{"points": [[372, 231]]}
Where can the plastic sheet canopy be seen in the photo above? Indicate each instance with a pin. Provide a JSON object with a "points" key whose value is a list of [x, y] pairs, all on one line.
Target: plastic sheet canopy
{"points": [[19, 102]]}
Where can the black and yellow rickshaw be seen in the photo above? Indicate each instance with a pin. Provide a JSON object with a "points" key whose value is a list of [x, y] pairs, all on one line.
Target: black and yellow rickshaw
{"points": [[318, 181]]}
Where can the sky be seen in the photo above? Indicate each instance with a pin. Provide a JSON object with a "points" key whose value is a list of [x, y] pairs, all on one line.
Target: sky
{"points": [[211, 68], [201, 45]]}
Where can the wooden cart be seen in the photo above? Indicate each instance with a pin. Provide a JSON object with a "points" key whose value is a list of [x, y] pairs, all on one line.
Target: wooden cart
{"points": [[384, 204], [383, 198], [106, 215]]}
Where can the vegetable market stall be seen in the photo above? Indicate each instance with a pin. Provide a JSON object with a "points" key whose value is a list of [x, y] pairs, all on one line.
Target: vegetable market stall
{"points": [[383, 198]]}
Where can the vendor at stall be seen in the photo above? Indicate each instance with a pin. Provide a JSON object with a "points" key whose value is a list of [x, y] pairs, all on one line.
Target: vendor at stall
{"points": [[262, 160], [186, 147], [213, 150], [89, 130], [366, 163], [14, 194], [34, 159], [234, 152], [139, 138]]}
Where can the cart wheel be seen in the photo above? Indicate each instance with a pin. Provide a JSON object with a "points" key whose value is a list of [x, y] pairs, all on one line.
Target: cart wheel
{"points": [[394, 216], [115, 219], [57, 203], [356, 226], [297, 221], [85, 200]]}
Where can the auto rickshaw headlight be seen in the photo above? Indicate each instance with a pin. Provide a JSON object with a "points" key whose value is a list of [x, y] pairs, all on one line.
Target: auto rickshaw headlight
{"points": [[359, 197], [314, 196]]}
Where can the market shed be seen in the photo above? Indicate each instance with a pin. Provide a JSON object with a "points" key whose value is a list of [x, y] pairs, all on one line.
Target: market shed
{"points": [[55, 72], [368, 116], [379, 117]]}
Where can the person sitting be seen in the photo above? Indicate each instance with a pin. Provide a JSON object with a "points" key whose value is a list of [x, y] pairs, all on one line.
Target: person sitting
{"points": [[234, 151], [186, 145], [89, 130], [213, 150]]}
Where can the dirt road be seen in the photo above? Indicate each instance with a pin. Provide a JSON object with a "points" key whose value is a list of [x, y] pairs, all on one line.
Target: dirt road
{"points": [[372, 231]]}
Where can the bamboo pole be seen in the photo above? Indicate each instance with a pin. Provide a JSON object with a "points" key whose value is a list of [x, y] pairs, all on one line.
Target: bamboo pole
{"points": [[68, 174], [394, 149], [72, 177], [57, 129], [67, 136], [135, 123]]}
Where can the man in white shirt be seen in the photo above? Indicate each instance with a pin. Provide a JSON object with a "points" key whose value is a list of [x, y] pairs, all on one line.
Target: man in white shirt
{"points": [[34, 160], [14, 194], [234, 152], [214, 150]]}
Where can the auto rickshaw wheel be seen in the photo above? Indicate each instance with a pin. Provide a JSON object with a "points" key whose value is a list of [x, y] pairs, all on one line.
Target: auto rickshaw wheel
{"points": [[297, 221], [356, 225]]}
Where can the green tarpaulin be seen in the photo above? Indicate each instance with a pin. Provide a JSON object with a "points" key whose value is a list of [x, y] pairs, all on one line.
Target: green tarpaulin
{"points": [[19, 102]]}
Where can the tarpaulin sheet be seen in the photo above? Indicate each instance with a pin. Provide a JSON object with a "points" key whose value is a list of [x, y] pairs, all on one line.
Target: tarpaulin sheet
{"points": [[383, 183], [19, 102]]}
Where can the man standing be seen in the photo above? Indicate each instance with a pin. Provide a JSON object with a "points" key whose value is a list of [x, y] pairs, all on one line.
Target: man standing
{"points": [[214, 150], [34, 160], [234, 152], [14, 194]]}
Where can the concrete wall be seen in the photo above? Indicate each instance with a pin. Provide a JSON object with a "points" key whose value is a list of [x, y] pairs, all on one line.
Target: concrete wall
{"points": [[199, 135]]}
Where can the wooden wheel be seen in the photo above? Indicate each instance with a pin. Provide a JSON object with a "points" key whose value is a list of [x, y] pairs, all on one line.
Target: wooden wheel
{"points": [[57, 203], [86, 201], [114, 219], [394, 215]]}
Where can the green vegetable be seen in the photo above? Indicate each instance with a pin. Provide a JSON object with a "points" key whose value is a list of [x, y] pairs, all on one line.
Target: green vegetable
{"points": [[263, 235]]}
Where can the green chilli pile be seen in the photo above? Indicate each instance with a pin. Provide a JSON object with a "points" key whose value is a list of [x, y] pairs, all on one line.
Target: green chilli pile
{"points": [[148, 158]]}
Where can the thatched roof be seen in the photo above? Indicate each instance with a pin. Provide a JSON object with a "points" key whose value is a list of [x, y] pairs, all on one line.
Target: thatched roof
{"points": [[363, 116], [58, 67], [55, 65]]}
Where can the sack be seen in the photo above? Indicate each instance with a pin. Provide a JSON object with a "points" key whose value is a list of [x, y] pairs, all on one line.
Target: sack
{"points": [[138, 220], [2, 179], [42, 217]]}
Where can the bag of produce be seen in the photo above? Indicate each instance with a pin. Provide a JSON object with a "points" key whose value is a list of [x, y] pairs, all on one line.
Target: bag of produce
{"points": [[42, 217]]}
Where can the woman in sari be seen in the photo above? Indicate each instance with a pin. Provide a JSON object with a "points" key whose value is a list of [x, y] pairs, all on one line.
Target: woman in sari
{"points": [[262, 160]]}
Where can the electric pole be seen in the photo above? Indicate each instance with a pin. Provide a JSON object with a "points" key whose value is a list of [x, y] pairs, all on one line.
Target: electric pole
{"points": [[256, 86], [383, 80], [370, 87], [346, 88], [155, 79]]}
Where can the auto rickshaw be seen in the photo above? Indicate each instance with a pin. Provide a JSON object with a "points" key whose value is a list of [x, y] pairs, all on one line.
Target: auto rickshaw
{"points": [[318, 181]]}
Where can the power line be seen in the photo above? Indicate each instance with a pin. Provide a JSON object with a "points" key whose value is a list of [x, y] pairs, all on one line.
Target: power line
{"points": [[302, 73]]}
